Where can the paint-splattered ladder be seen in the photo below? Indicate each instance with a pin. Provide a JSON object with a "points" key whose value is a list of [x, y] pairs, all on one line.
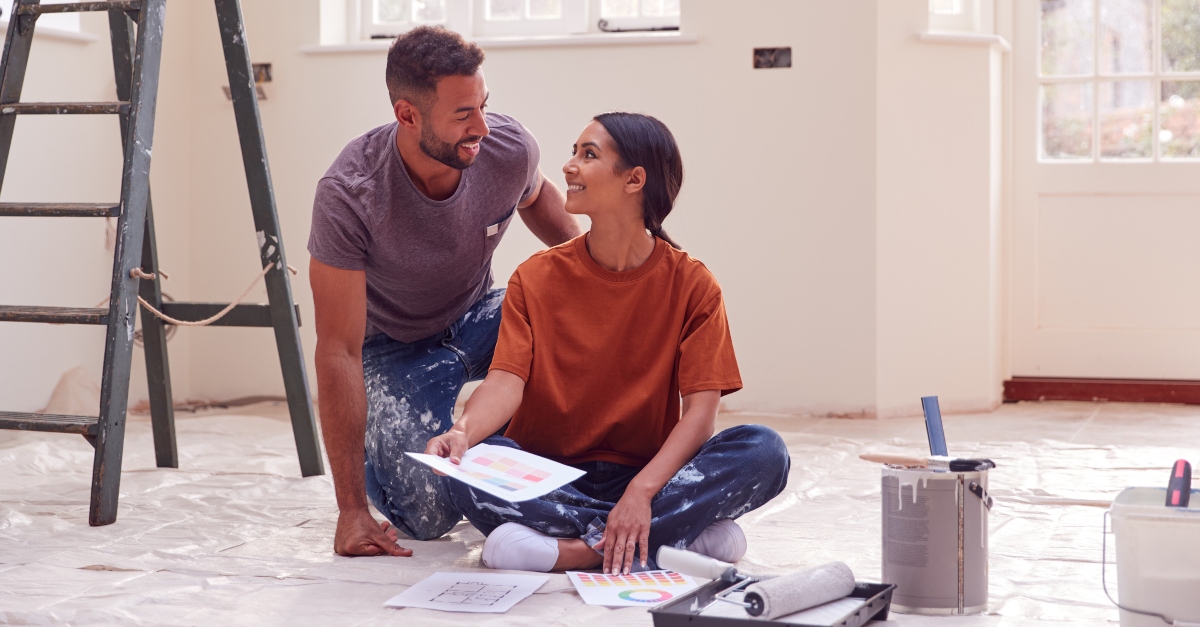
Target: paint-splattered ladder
{"points": [[136, 27]]}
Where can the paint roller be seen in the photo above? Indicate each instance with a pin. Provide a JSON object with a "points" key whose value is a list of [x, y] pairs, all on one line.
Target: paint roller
{"points": [[769, 598]]}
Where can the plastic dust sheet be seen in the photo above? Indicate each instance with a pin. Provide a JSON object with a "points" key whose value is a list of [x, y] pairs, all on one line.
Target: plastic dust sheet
{"points": [[236, 537]]}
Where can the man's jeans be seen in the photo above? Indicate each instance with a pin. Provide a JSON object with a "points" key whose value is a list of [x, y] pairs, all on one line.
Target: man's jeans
{"points": [[736, 471], [411, 391]]}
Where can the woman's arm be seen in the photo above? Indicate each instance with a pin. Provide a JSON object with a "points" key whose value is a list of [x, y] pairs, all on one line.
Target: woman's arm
{"points": [[490, 406], [629, 522]]}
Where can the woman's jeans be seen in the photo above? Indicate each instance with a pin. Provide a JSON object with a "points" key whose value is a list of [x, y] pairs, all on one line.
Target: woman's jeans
{"points": [[736, 471], [411, 391]]}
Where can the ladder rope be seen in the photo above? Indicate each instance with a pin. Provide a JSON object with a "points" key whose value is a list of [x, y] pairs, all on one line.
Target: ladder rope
{"points": [[138, 273]]}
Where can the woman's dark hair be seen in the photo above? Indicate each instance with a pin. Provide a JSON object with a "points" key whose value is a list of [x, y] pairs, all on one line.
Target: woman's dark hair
{"points": [[642, 140]]}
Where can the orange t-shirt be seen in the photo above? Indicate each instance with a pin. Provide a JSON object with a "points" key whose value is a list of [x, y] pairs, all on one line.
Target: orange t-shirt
{"points": [[606, 355]]}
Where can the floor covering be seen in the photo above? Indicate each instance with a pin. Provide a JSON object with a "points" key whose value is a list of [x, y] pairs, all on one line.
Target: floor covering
{"points": [[236, 537]]}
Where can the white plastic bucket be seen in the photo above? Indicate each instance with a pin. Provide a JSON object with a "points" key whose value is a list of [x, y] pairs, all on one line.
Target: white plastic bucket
{"points": [[1158, 556]]}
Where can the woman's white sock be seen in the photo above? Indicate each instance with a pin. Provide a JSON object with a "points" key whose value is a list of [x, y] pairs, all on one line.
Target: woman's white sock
{"points": [[722, 540], [516, 547]]}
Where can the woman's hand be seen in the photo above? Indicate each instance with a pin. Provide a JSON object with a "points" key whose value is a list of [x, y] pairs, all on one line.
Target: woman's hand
{"points": [[451, 444], [628, 527]]}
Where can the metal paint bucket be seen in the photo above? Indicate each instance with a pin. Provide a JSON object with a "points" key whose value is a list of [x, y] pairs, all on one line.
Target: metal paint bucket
{"points": [[935, 540]]}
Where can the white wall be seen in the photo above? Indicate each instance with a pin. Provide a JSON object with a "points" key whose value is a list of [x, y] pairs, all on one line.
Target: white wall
{"points": [[778, 199], [938, 282], [827, 198]]}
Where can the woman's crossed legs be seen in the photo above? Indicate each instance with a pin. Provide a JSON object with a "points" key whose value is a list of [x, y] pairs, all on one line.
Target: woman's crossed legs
{"points": [[736, 471]]}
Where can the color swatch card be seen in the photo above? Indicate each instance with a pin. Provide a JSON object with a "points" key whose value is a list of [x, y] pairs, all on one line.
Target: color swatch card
{"points": [[645, 589], [468, 592], [508, 473]]}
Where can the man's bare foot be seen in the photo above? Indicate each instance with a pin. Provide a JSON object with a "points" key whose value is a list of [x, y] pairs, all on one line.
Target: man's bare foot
{"points": [[575, 554]]}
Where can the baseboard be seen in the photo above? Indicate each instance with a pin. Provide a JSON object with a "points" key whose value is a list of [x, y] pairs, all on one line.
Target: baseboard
{"points": [[1113, 390]]}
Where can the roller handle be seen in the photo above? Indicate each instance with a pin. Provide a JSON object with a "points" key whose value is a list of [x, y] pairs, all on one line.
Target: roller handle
{"points": [[1179, 489], [694, 564]]}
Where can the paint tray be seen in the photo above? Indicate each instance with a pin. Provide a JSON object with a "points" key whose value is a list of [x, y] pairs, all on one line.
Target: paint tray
{"points": [[876, 602]]}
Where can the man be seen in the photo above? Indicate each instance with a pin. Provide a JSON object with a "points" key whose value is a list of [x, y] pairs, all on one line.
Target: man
{"points": [[404, 225]]}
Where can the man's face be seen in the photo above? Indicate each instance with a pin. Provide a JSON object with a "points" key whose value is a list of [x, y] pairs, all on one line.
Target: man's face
{"points": [[453, 127]]}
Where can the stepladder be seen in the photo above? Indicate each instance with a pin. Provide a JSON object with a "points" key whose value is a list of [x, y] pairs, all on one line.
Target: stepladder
{"points": [[136, 29]]}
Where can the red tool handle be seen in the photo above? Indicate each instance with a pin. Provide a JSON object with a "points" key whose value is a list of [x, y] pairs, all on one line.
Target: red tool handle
{"points": [[1179, 490]]}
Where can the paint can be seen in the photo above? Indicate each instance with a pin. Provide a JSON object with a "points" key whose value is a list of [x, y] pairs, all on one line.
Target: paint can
{"points": [[935, 540]]}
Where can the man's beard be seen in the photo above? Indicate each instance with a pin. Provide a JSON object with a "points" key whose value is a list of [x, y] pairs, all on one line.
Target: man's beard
{"points": [[444, 152]]}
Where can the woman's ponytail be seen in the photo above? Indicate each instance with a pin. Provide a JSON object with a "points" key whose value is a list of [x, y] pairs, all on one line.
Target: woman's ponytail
{"points": [[644, 141]]}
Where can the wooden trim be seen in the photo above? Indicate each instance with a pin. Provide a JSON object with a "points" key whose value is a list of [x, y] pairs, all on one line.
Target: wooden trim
{"points": [[1113, 390]]}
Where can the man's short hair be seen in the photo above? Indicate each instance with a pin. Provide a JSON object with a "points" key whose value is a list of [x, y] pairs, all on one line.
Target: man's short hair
{"points": [[424, 55]]}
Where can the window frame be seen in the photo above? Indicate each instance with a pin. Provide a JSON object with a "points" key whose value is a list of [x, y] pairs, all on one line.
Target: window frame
{"points": [[1156, 76]]}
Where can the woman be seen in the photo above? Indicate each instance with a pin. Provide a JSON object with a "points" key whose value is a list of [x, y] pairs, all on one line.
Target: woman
{"points": [[602, 340]]}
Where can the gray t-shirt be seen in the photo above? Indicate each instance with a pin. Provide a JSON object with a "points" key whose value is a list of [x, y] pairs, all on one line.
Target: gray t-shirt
{"points": [[427, 262]]}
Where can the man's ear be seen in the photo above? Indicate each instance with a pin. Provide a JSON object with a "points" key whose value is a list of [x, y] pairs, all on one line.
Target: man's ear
{"points": [[408, 115], [635, 179]]}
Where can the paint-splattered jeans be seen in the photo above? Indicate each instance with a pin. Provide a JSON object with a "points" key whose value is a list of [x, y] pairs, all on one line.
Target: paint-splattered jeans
{"points": [[736, 471], [411, 391]]}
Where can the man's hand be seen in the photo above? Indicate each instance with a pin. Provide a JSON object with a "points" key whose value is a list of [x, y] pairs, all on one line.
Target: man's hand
{"points": [[359, 534], [628, 527]]}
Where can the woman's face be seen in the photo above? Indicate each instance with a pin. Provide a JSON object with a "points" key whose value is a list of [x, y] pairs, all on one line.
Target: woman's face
{"points": [[593, 183]]}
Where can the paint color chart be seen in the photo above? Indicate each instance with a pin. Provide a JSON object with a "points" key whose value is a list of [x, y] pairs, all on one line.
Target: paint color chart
{"points": [[645, 589], [507, 473]]}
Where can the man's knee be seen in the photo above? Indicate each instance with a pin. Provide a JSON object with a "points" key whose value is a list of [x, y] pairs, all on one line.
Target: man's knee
{"points": [[432, 521]]}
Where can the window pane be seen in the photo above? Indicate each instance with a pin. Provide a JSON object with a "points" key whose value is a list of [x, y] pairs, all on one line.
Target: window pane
{"points": [[1067, 121], [1180, 115], [505, 9], [1126, 119], [1181, 35], [1067, 31], [545, 9], [660, 8], [391, 11], [619, 8], [1126, 36], [429, 11]]}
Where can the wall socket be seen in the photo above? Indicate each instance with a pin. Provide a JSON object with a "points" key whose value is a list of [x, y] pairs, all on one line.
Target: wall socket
{"points": [[772, 57]]}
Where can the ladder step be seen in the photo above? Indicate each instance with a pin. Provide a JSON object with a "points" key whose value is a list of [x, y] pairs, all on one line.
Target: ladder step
{"points": [[60, 209], [62, 108], [56, 315], [55, 423], [76, 7]]}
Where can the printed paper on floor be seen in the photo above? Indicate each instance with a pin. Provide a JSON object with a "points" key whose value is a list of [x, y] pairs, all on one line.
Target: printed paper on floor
{"points": [[468, 592], [507, 473], [645, 589]]}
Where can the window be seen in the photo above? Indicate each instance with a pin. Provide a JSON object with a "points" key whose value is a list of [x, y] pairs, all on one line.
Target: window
{"points": [[972, 16], [1119, 80], [507, 18], [384, 19], [616, 15]]}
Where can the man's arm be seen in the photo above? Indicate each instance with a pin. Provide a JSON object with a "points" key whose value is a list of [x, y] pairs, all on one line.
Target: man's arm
{"points": [[543, 212], [340, 300]]}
